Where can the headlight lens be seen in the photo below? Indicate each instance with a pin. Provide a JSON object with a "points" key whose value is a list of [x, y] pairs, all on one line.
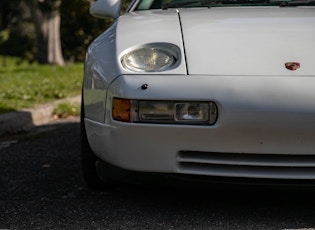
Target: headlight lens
{"points": [[151, 58], [150, 111]]}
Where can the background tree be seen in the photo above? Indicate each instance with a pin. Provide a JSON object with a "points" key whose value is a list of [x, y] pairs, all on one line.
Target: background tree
{"points": [[79, 24], [4, 12], [79, 28], [46, 18], [49, 31], [14, 27]]}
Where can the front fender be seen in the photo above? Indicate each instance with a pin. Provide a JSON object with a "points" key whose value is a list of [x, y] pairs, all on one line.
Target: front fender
{"points": [[101, 67]]}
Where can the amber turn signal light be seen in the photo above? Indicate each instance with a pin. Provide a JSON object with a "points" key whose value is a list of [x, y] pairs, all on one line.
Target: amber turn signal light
{"points": [[121, 109]]}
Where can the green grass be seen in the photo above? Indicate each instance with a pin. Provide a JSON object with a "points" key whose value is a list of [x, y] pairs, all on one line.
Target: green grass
{"points": [[64, 110], [27, 85]]}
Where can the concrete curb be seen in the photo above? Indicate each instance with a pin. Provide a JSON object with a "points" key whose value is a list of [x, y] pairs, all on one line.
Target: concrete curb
{"points": [[25, 119]]}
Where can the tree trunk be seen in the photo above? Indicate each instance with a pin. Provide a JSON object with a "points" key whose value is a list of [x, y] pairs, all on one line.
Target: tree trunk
{"points": [[54, 41], [47, 27]]}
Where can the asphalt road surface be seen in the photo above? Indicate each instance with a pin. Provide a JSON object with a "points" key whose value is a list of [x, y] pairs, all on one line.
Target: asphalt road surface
{"points": [[41, 187]]}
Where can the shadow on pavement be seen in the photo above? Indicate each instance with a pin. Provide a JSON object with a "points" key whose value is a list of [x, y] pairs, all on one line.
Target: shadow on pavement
{"points": [[42, 188], [14, 122]]}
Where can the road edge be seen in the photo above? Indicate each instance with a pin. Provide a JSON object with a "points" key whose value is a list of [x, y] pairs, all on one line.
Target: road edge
{"points": [[26, 119]]}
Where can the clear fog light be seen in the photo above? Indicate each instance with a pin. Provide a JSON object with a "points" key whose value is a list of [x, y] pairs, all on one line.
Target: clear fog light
{"points": [[177, 112], [196, 112], [192, 111]]}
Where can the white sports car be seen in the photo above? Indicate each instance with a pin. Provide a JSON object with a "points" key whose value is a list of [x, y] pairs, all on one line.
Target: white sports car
{"points": [[223, 90]]}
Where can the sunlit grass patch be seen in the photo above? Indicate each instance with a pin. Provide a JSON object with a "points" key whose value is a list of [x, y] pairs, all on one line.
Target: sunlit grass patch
{"points": [[26, 85], [64, 110]]}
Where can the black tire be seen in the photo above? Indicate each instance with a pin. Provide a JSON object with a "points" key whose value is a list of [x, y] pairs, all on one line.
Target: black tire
{"points": [[88, 159]]}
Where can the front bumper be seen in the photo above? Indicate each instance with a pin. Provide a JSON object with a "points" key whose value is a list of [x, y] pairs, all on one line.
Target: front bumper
{"points": [[265, 128]]}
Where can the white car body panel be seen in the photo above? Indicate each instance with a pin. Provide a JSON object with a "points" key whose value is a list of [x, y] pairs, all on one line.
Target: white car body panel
{"points": [[136, 29], [103, 65], [99, 70], [254, 117], [236, 58], [249, 41]]}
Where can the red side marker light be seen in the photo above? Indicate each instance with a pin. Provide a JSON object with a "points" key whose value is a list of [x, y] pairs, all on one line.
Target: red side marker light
{"points": [[292, 65]]}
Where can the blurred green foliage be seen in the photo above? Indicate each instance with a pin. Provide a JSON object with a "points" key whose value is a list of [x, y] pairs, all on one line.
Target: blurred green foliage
{"points": [[25, 85], [64, 110], [78, 29]]}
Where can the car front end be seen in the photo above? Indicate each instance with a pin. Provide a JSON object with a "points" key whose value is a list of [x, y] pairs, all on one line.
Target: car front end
{"points": [[226, 92]]}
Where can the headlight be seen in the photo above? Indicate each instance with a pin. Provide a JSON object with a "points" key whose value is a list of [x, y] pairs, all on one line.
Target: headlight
{"points": [[154, 57], [165, 112]]}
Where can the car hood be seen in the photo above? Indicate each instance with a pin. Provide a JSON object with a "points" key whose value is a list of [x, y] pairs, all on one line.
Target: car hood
{"points": [[228, 40], [249, 41]]}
